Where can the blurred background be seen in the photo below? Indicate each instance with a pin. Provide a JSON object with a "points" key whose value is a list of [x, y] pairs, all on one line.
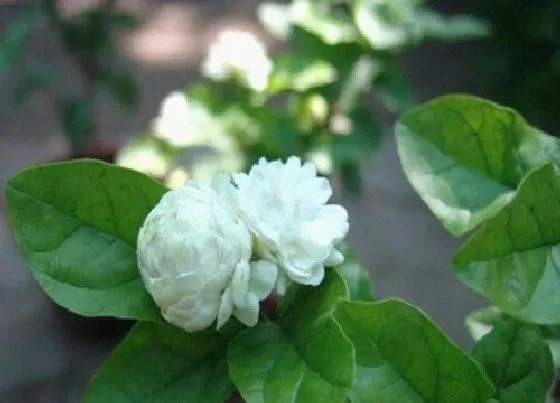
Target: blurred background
{"points": [[182, 89]]}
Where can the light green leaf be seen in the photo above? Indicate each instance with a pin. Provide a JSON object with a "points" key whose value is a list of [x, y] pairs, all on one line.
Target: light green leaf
{"points": [[76, 224], [159, 363], [383, 23], [518, 361], [320, 19], [302, 357], [403, 356], [299, 73], [465, 157], [450, 28], [357, 278], [514, 259]]}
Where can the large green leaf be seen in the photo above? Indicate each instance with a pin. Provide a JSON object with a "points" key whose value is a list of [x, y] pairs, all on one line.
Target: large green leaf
{"points": [[403, 356], [518, 361], [466, 156], [302, 357], [514, 259], [76, 224], [158, 362]]}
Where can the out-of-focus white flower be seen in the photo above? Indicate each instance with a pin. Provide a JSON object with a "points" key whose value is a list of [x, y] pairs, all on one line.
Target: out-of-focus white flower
{"points": [[142, 154], [284, 207], [240, 55], [183, 122], [193, 255]]}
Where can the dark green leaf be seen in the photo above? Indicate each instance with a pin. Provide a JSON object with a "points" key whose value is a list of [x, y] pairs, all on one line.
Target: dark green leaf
{"points": [[282, 137], [302, 357], [392, 87], [76, 224], [351, 176], [514, 259], [77, 120], [465, 157], [15, 39], [123, 89], [403, 356], [122, 20], [159, 363], [518, 361]]}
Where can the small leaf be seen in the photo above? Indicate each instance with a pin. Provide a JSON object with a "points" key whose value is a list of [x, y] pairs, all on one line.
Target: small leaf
{"points": [[15, 39], [518, 361], [392, 88], [323, 22], [300, 73], [159, 363], [514, 259], [403, 356], [450, 28], [76, 117], [122, 20], [76, 224], [123, 89], [357, 278], [302, 357], [465, 157]]}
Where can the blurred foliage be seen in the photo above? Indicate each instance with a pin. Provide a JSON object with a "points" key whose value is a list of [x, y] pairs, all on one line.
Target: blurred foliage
{"points": [[521, 66], [88, 39], [313, 98]]}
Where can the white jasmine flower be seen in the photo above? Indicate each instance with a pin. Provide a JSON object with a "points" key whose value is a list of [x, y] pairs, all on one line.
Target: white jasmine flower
{"points": [[183, 122], [240, 55], [284, 207], [193, 255]]}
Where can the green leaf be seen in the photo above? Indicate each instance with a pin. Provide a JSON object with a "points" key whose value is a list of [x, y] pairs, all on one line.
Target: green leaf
{"points": [[514, 259], [403, 356], [15, 39], [123, 89], [321, 20], [122, 20], [518, 361], [77, 120], [465, 157], [158, 362], [357, 278], [450, 28], [76, 224], [300, 73], [392, 88], [302, 357]]}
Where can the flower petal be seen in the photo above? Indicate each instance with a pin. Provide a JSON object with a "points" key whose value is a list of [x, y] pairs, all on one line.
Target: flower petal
{"points": [[226, 307], [240, 283], [248, 312], [263, 278]]}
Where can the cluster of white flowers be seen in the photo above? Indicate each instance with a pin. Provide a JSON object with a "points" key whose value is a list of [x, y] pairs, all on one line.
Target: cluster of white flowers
{"points": [[208, 251], [239, 55]]}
